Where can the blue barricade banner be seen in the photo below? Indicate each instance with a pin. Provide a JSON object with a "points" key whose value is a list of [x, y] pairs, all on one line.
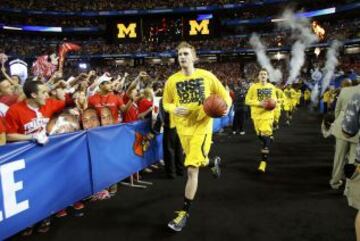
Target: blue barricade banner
{"points": [[223, 122], [37, 181], [117, 152]]}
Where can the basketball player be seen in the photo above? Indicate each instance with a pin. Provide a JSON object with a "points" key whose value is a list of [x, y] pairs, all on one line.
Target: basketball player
{"points": [[263, 119], [183, 98], [289, 103], [280, 103]]}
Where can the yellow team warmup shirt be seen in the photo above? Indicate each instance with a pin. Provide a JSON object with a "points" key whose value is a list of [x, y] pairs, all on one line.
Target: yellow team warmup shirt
{"points": [[256, 94], [290, 97], [280, 97], [191, 91]]}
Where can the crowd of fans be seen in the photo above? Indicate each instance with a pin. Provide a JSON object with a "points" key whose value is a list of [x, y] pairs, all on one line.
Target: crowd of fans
{"points": [[35, 45], [82, 21], [81, 5], [69, 21]]}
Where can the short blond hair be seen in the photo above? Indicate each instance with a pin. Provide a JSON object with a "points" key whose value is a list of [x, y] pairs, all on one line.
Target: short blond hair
{"points": [[185, 44], [148, 93]]}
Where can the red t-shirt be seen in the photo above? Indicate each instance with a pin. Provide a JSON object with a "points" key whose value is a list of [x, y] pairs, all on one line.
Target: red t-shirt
{"points": [[9, 100], [113, 102], [69, 101], [132, 113], [2, 125], [144, 105], [20, 118]]}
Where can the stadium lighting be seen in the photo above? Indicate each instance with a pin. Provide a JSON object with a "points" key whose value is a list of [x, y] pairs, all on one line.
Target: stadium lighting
{"points": [[83, 66], [317, 51]]}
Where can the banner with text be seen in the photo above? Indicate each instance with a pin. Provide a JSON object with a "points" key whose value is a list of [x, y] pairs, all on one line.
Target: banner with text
{"points": [[37, 181]]}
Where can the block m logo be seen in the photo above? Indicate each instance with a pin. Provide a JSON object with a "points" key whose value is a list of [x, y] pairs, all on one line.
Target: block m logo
{"points": [[202, 27], [124, 31]]}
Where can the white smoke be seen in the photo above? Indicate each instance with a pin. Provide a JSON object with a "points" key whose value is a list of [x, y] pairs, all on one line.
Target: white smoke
{"points": [[300, 30], [315, 94], [300, 27], [275, 75], [330, 64], [296, 61]]}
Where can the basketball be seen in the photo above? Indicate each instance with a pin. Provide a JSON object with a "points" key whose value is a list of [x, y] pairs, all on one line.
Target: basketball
{"points": [[215, 106], [269, 104]]}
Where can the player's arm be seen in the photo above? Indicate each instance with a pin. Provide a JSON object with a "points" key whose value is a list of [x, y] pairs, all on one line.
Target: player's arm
{"points": [[220, 90], [275, 96], [168, 98]]}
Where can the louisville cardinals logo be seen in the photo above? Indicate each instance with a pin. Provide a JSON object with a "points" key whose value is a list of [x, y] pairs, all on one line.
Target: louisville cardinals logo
{"points": [[141, 144]]}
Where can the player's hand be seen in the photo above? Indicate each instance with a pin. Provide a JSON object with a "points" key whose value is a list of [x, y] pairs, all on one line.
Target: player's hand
{"points": [[262, 104], [181, 111]]}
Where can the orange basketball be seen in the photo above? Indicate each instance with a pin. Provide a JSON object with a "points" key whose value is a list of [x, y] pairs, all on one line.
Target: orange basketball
{"points": [[215, 106], [270, 104]]}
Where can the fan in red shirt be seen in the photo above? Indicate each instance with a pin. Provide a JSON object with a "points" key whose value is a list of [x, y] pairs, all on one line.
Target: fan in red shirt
{"points": [[146, 104], [131, 97], [26, 119], [105, 98], [131, 114], [7, 93]]}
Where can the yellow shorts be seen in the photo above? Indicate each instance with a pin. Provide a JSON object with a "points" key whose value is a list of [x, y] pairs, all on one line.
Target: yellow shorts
{"points": [[196, 149], [288, 107], [263, 126]]}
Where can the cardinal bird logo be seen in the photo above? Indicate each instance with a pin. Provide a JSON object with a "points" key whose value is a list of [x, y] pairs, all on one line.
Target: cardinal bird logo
{"points": [[141, 144]]}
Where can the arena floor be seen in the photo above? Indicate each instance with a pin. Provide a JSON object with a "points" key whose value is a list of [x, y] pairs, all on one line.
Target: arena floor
{"points": [[293, 201]]}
